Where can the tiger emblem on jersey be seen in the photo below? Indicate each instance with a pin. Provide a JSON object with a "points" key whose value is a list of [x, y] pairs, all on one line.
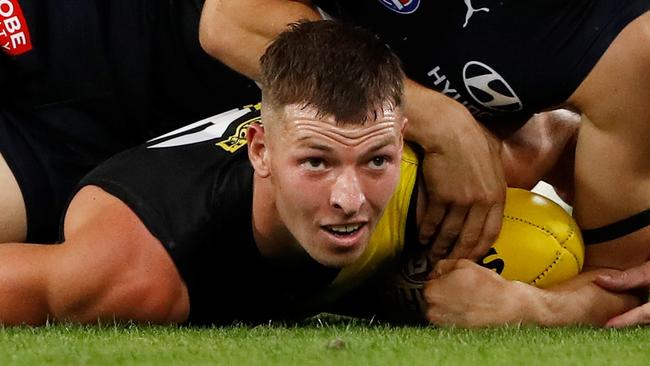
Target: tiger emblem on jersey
{"points": [[228, 129], [235, 141]]}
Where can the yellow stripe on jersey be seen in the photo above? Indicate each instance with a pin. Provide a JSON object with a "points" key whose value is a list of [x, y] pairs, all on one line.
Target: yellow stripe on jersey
{"points": [[387, 240]]}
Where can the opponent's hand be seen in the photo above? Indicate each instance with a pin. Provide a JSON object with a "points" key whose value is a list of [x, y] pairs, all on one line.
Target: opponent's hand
{"points": [[462, 170], [633, 278], [464, 294], [466, 190]]}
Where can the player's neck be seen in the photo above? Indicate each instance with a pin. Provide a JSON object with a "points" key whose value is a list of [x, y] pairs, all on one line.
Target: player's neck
{"points": [[271, 236]]}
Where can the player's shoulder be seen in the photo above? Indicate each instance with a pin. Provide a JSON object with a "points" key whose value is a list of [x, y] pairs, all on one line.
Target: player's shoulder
{"points": [[227, 130], [183, 156]]}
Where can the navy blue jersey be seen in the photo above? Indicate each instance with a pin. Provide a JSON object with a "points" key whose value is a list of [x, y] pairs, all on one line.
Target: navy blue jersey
{"points": [[83, 80], [133, 64], [504, 60]]}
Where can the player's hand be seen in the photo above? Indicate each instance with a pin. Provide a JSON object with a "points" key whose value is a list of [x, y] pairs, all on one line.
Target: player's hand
{"points": [[466, 190], [462, 170], [633, 278], [462, 293]]}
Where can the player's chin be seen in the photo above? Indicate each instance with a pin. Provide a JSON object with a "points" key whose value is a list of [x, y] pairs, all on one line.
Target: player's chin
{"points": [[338, 260]]}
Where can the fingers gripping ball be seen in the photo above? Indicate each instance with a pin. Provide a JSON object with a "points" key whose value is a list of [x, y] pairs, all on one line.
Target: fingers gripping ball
{"points": [[539, 244]]}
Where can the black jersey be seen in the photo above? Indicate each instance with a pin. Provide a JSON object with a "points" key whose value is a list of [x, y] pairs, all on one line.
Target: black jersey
{"points": [[192, 188], [502, 59]]}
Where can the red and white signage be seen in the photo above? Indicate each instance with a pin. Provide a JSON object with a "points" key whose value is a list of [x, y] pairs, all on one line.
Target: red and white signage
{"points": [[14, 34]]}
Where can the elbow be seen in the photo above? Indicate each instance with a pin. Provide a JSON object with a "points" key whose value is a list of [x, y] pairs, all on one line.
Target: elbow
{"points": [[217, 30], [211, 40], [146, 300], [165, 305], [151, 301]]}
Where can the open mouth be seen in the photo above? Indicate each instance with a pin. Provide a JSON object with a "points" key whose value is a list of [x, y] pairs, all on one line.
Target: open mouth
{"points": [[343, 230]]}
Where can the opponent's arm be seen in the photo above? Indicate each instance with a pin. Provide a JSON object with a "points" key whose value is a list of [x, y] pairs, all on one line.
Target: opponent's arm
{"points": [[543, 149], [633, 278], [612, 165], [109, 268], [463, 174], [234, 33]]}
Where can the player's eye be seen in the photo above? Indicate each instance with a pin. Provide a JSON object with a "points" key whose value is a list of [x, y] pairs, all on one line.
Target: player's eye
{"points": [[314, 164], [378, 162]]}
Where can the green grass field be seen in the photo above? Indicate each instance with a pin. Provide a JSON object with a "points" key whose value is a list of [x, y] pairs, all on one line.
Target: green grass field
{"points": [[321, 342]]}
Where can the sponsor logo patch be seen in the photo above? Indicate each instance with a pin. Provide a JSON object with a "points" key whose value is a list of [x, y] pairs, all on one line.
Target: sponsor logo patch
{"points": [[401, 6], [14, 34], [471, 10], [489, 88]]}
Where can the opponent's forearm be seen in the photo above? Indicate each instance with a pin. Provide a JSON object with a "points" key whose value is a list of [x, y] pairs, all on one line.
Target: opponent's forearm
{"points": [[577, 301], [238, 31], [451, 120]]}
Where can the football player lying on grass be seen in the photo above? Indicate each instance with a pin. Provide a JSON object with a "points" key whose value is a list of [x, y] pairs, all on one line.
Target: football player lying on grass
{"points": [[238, 217], [250, 215]]}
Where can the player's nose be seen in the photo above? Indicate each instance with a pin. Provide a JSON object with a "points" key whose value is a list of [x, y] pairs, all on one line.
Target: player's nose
{"points": [[346, 194]]}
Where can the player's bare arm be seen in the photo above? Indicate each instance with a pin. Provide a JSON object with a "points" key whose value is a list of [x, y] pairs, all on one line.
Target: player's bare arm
{"points": [[634, 278], [467, 295], [613, 169], [234, 33], [109, 268], [612, 165], [13, 217], [543, 149]]}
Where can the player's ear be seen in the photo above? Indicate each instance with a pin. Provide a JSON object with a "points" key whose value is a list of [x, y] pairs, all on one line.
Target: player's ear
{"points": [[258, 150]]}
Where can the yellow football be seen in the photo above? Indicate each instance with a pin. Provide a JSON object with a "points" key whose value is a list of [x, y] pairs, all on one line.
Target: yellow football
{"points": [[539, 244]]}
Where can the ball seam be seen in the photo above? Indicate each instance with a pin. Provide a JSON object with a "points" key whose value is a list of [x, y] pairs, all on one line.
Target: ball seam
{"points": [[548, 232]]}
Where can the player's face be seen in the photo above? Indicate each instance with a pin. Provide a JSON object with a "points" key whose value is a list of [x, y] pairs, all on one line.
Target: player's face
{"points": [[332, 181]]}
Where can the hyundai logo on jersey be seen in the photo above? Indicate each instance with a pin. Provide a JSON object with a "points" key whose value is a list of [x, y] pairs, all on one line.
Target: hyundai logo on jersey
{"points": [[489, 88], [401, 6]]}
